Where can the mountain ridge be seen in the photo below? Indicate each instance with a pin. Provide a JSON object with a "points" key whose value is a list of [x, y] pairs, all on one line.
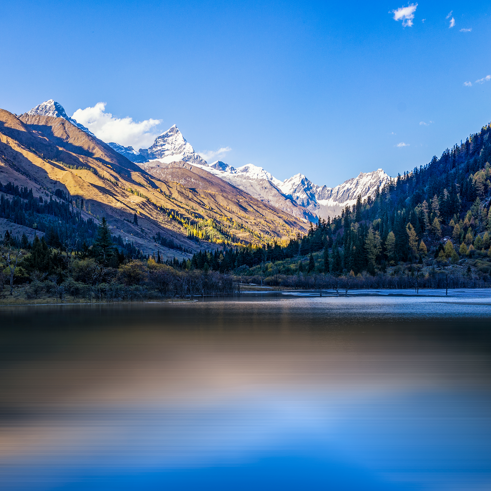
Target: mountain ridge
{"points": [[296, 195], [49, 154]]}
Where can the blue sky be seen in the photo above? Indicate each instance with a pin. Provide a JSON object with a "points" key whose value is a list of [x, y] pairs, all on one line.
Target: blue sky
{"points": [[328, 89]]}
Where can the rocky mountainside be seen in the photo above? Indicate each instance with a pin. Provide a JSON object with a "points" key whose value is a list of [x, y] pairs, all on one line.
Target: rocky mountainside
{"points": [[297, 195], [129, 152], [51, 155]]}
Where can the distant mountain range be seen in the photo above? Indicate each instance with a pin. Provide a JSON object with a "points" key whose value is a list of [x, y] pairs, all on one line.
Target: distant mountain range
{"points": [[177, 210], [297, 195]]}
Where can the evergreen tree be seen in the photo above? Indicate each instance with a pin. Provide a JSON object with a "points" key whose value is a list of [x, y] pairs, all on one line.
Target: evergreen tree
{"points": [[448, 249], [436, 228], [24, 243], [478, 243], [373, 249], [327, 267], [337, 266], [40, 258], [390, 247], [423, 250], [311, 263], [456, 232], [486, 241], [103, 246], [412, 239]]}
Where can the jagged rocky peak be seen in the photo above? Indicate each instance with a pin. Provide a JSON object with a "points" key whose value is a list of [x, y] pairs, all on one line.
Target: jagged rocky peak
{"points": [[222, 166], [49, 108], [56, 110], [171, 146]]}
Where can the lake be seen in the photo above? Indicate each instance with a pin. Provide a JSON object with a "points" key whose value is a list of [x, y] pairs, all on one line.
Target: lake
{"points": [[288, 393]]}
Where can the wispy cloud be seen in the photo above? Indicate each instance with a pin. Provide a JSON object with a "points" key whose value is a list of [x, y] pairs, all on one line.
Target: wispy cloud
{"points": [[487, 78], [405, 14], [392, 133], [402, 144], [468, 84], [452, 23], [466, 30], [214, 154], [449, 15], [423, 123], [124, 131]]}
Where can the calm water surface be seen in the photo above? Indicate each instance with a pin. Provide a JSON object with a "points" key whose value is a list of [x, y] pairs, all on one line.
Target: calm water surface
{"points": [[366, 393]]}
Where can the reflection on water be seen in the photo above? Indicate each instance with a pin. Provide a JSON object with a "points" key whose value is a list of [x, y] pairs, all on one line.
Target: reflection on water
{"points": [[307, 393]]}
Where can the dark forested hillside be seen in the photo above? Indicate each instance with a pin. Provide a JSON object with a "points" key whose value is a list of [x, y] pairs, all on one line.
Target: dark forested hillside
{"points": [[435, 217]]}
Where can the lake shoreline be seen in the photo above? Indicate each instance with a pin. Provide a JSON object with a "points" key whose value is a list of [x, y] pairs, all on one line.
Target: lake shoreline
{"points": [[258, 292]]}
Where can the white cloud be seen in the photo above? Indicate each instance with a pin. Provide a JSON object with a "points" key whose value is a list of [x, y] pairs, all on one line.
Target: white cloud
{"points": [[406, 14], [466, 30], [423, 20], [468, 84], [423, 123], [124, 131], [402, 144], [449, 15], [487, 78], [214, 154], [392, 133], [452, 23]]}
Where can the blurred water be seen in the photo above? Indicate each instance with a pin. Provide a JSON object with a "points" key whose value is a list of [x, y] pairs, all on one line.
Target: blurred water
{"points": [[357, 393]]}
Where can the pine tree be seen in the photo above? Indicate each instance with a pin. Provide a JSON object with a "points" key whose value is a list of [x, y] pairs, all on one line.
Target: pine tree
{"points": [[24, 243], [456, 232], [486, 242], [311, 263], [463, 249], [423, 250], [435, 206], [436, 228], [448, 249], [478, 243], [372, 249], [413, 239], [426, 216], [135, 219], [337, 266], [358, 209], [103, 245], [326, 260], [390, 247]]}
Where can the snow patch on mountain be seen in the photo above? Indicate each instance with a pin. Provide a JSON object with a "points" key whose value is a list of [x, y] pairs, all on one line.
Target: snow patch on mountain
{"points": [[129, 152]]}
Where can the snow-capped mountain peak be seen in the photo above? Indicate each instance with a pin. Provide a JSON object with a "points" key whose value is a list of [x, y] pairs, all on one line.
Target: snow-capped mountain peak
{"points": [[54, 109], [171, 146], [49, 108]]}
